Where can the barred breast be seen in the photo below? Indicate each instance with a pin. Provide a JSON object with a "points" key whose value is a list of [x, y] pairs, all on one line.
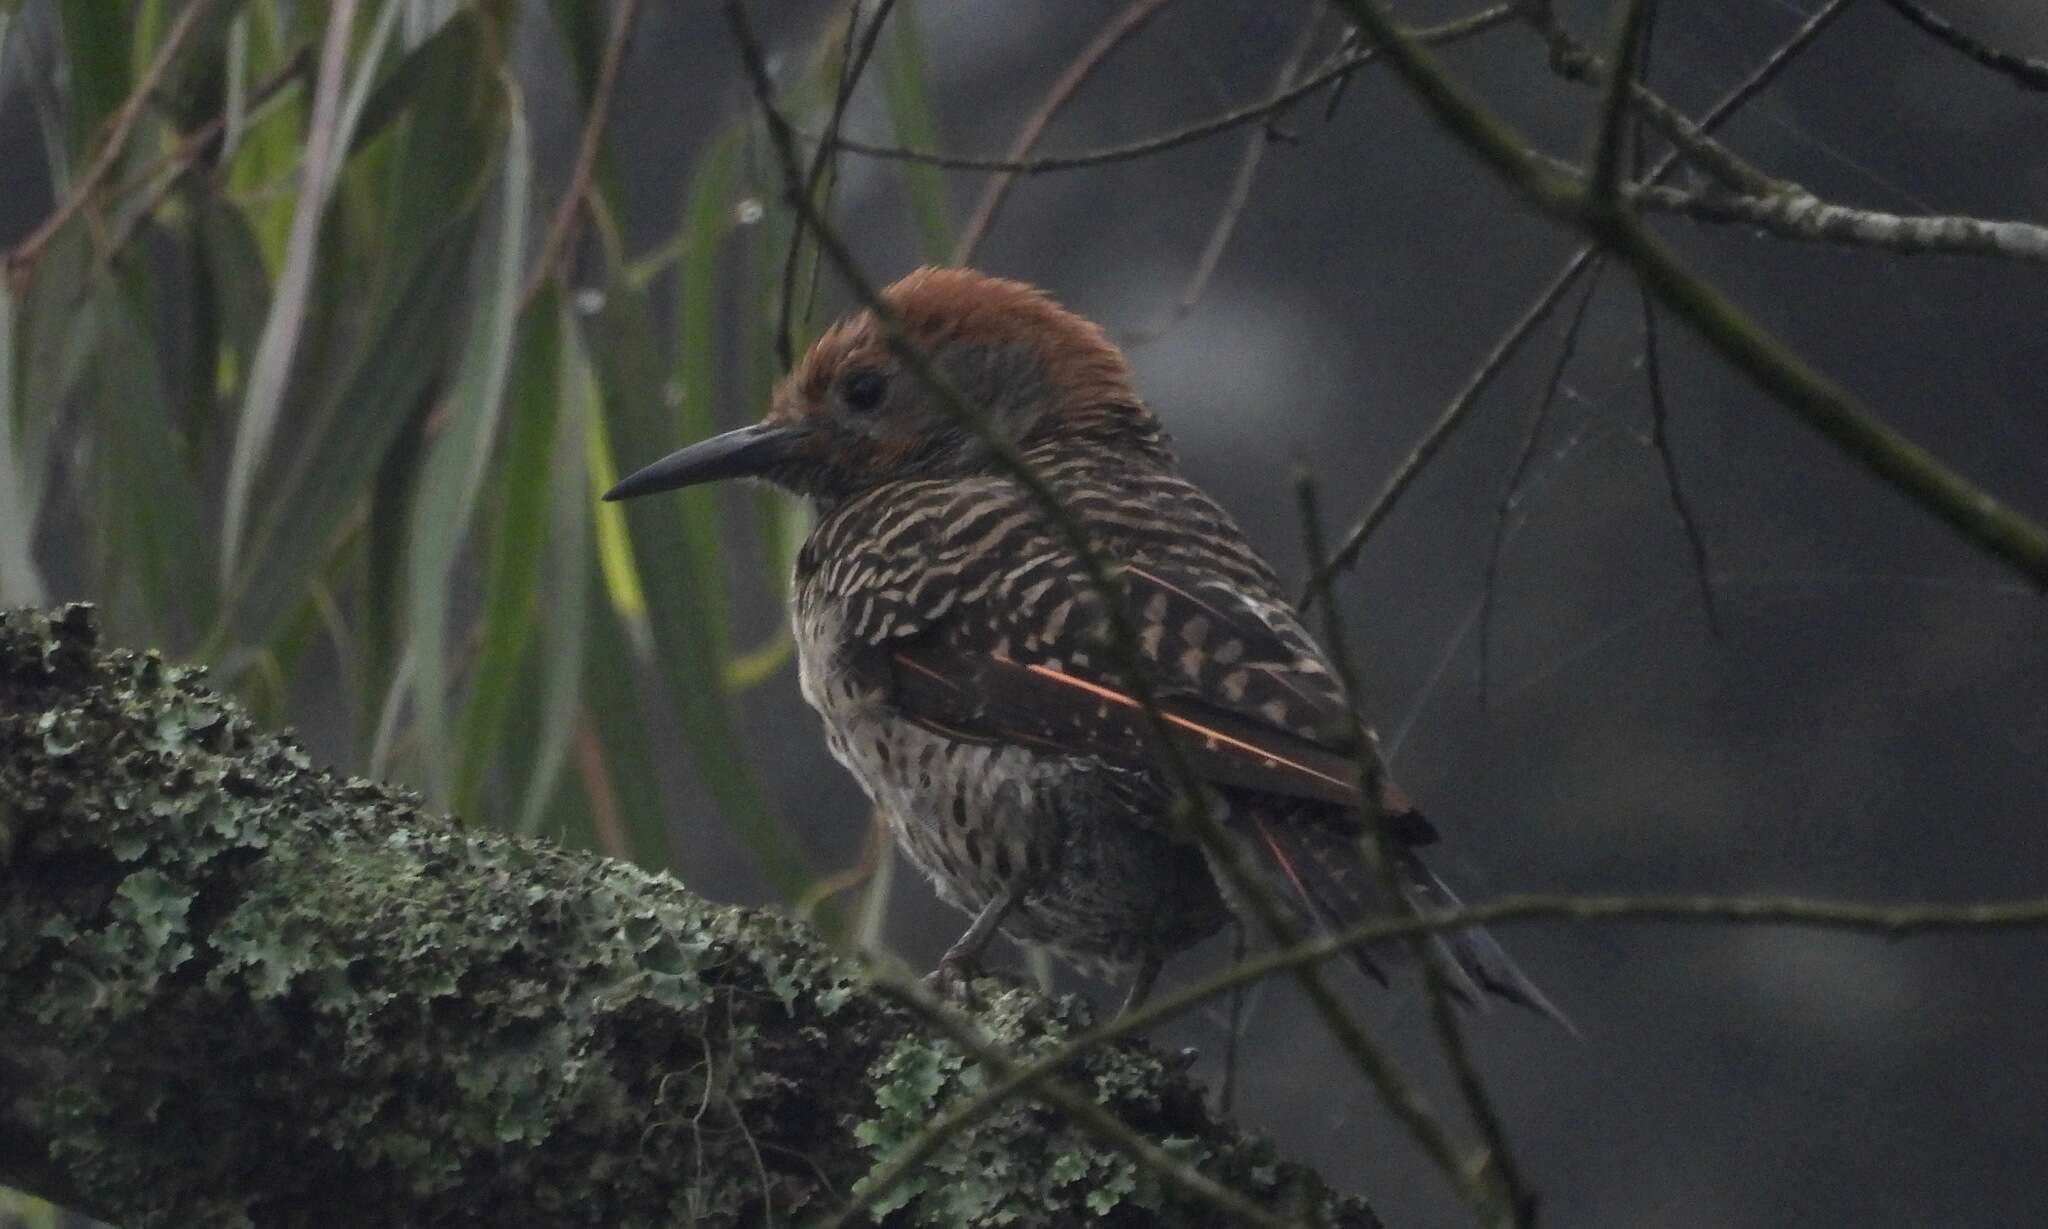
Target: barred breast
{"points": [[981, 817]]}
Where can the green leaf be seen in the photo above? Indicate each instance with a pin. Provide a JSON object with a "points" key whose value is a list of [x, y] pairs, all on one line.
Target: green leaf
{"points": [[416, 319], [760, 663], [56, 334], [20, 583], [152, 516], [240, 287], [626, 805], [457, 462], [788, 519], [583, 36], [569, 593], [261, 149], [517, 545], [614, 544], [392, 98], [335, 112], [679, 618], [97, 41], [906, 91], [706, 220]]}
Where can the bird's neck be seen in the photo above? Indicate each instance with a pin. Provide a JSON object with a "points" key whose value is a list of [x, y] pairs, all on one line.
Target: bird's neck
{"points": [[1106, 433]]}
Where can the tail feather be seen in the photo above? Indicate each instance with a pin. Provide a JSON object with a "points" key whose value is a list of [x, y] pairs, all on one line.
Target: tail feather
{"points": [[1475, 952], [1326, 874], [1324, 887]]}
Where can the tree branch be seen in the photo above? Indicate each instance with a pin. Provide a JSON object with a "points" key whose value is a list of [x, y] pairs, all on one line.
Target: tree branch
{"points": [[274, 994], [119, 127], [1803, 216], [1127, 22], [561, 232], [1342, 66], [1980, 519], [2025, 72]]}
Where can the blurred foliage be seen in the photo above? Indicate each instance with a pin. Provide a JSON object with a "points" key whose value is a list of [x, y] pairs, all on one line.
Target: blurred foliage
{"points": [[19, 1211], [287, 391]]}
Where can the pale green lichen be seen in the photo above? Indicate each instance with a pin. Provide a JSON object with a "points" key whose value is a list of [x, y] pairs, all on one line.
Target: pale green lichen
{"points": [[281, 997]]}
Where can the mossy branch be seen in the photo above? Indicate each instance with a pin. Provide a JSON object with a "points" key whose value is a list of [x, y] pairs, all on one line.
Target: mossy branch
{"points": [[237, 989]]}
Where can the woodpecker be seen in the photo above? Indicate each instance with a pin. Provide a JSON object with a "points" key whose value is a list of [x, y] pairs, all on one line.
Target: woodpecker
{"points": [[961, 657]]}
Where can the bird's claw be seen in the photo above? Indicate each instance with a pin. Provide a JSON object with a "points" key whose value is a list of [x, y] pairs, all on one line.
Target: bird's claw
{"points": [[953, 979]]}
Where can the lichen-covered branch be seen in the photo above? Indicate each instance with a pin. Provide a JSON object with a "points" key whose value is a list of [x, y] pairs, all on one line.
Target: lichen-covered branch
{"points": [[237, 989]]}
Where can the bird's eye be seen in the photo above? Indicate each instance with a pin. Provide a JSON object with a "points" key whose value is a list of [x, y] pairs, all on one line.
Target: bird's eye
{"points": [[863, 388]]}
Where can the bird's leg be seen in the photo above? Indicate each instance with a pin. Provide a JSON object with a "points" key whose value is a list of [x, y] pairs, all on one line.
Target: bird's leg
{"points": [[966, 951], [1141, 985]]}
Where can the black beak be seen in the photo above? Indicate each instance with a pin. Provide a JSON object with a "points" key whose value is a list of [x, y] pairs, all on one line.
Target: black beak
{"points": [[747, 452]]}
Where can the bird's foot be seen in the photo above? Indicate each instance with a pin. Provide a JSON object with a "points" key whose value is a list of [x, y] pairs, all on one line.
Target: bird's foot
{"points": [[1142, 981], [953, 979], [969, 985]]}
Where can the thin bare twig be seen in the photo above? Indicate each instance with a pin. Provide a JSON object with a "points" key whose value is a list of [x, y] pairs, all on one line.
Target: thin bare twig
{"points": [[1660, 439], [1461, 405], [1879, 920], [1653, 378], [2028, 74], [174, 165], [119, 127], [1516, 1199], [1611, 134], [857, 71], [562, 227], [1692, 141], [1440, 431], [1128, 21], [1567, 348], [1240, 191], [852, 65], [1795, 387], [1449, 32], [606, 826]]}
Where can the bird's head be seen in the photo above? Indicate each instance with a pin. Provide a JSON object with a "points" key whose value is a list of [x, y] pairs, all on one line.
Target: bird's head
{"points": [[852, 415]]}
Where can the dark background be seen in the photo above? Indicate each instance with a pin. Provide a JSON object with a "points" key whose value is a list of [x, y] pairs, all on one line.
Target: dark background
{"points": [[1872, 722]]}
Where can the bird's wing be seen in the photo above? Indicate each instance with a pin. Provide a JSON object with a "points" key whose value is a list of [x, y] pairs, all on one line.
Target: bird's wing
{"points": [[1244, 691], [990, 629]]}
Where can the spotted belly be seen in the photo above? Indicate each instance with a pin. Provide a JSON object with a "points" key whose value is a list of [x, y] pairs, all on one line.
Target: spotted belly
{"points": [[1100, 886]]}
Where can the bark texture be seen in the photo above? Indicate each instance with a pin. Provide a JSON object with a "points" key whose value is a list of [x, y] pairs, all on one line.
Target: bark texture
{"points": [[236, 989]]}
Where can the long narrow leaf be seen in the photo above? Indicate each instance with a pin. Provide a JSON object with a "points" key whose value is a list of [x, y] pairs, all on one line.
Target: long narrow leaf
{"points": [[267, 147], [325, 145], [623, 790], [906, 90], [154, 506], [614, 547], [706, 220], [440, 176], [455, 468], [20, 583], [56, 339], [568, 594], [788, 519], [677, 616], [517, 546], [97, 39]]}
